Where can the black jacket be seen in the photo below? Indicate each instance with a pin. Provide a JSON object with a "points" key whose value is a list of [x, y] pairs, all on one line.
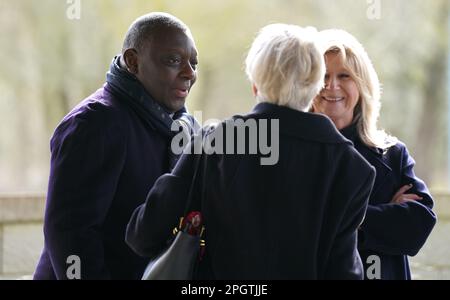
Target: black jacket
{"points": [[296, 219], [393, 231], [105, 156]]}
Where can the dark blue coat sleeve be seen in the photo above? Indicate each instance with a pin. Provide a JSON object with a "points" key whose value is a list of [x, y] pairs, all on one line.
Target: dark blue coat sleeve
{"points": [[86, 163], [400, 229], [151, 224]]}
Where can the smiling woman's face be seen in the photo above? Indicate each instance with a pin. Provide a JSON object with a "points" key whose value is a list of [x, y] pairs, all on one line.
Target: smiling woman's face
{"points": [[340, 95]]}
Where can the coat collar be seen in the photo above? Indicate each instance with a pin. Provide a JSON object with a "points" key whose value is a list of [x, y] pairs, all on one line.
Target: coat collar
{"points": [[351, 133], [375, 156], [309, 126]]}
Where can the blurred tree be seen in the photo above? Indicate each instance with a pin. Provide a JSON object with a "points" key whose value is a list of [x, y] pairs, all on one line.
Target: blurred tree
{"points": [[432, 129], [50, 63]]}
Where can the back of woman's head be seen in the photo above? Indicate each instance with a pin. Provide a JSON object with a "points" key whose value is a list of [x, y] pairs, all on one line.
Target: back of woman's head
{"points": [[286, 65]]}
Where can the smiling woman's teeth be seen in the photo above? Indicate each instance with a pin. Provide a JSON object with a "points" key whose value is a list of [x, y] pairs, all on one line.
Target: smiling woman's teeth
{"points": [[333, 99]]}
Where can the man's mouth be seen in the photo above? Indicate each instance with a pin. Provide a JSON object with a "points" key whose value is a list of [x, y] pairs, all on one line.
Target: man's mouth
{"points": [[332, 99], [181, 93]]}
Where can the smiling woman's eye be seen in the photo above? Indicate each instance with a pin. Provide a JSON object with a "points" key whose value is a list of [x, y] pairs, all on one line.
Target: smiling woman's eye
{"points": [[344, 75]]}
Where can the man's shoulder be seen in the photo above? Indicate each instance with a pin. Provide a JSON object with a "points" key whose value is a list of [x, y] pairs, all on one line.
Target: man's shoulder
{"points": [[98, 112], [100, 106]]}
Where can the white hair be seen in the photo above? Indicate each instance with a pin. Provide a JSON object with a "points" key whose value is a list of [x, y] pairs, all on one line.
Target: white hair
{"points": [[286, 66]]}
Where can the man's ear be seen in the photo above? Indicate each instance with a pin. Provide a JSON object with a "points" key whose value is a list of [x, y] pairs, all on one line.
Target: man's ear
{"points": [[130, 57], [255, 90]]}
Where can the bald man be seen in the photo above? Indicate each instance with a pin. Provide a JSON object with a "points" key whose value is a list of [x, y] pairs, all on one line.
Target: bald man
{"points": [[108, 151]]}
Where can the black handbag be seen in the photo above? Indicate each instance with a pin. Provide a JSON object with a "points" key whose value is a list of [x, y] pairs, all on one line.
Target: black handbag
{"points": [[179, 260]]}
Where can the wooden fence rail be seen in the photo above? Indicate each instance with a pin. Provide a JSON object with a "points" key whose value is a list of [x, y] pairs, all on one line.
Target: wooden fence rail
{"points": [[21, 237]]}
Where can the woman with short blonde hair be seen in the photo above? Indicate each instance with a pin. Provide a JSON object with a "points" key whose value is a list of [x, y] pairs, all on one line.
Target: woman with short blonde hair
{"points": [[285, 66]]}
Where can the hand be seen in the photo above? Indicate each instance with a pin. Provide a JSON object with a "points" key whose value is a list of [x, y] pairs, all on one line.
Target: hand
{"points": [[401, 197]]}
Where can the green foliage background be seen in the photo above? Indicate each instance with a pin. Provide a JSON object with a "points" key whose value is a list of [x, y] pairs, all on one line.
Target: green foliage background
{"points": [[49, 63]]}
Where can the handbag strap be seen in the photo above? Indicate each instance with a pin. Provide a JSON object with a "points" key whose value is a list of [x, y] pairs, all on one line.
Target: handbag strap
{"points": [[194, 203]]}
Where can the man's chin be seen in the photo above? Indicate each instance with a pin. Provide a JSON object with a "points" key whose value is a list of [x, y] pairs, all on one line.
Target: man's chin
{"points": [[177, 104]]}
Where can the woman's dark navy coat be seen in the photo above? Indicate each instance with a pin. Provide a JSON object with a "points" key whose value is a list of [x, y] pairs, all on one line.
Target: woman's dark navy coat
{"points": [[297, 219], [392, 231]]}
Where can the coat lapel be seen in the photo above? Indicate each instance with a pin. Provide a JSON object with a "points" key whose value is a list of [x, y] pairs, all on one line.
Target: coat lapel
{"points": [[382, 190], [384, 171], [303, 125]]}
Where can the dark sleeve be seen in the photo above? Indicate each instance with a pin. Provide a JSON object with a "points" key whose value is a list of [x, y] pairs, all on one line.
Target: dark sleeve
{"points": [[86, 163], [400, 229], [151, 224], [344, 261]]}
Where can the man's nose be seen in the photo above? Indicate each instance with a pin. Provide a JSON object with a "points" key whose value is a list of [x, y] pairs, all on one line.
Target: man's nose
{"points": [[332, 83]]}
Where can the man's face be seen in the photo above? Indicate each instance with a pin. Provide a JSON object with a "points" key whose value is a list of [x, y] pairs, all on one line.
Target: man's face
{"points": [[167, 66]]}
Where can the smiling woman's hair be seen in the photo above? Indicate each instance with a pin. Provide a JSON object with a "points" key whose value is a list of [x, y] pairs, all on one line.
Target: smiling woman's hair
{"points": [[144, 27], [286, 66], [357, 62]]}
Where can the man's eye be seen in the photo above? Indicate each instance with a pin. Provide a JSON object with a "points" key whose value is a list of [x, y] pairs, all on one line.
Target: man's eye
{"points": [[194, 64], [173, 60]]}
